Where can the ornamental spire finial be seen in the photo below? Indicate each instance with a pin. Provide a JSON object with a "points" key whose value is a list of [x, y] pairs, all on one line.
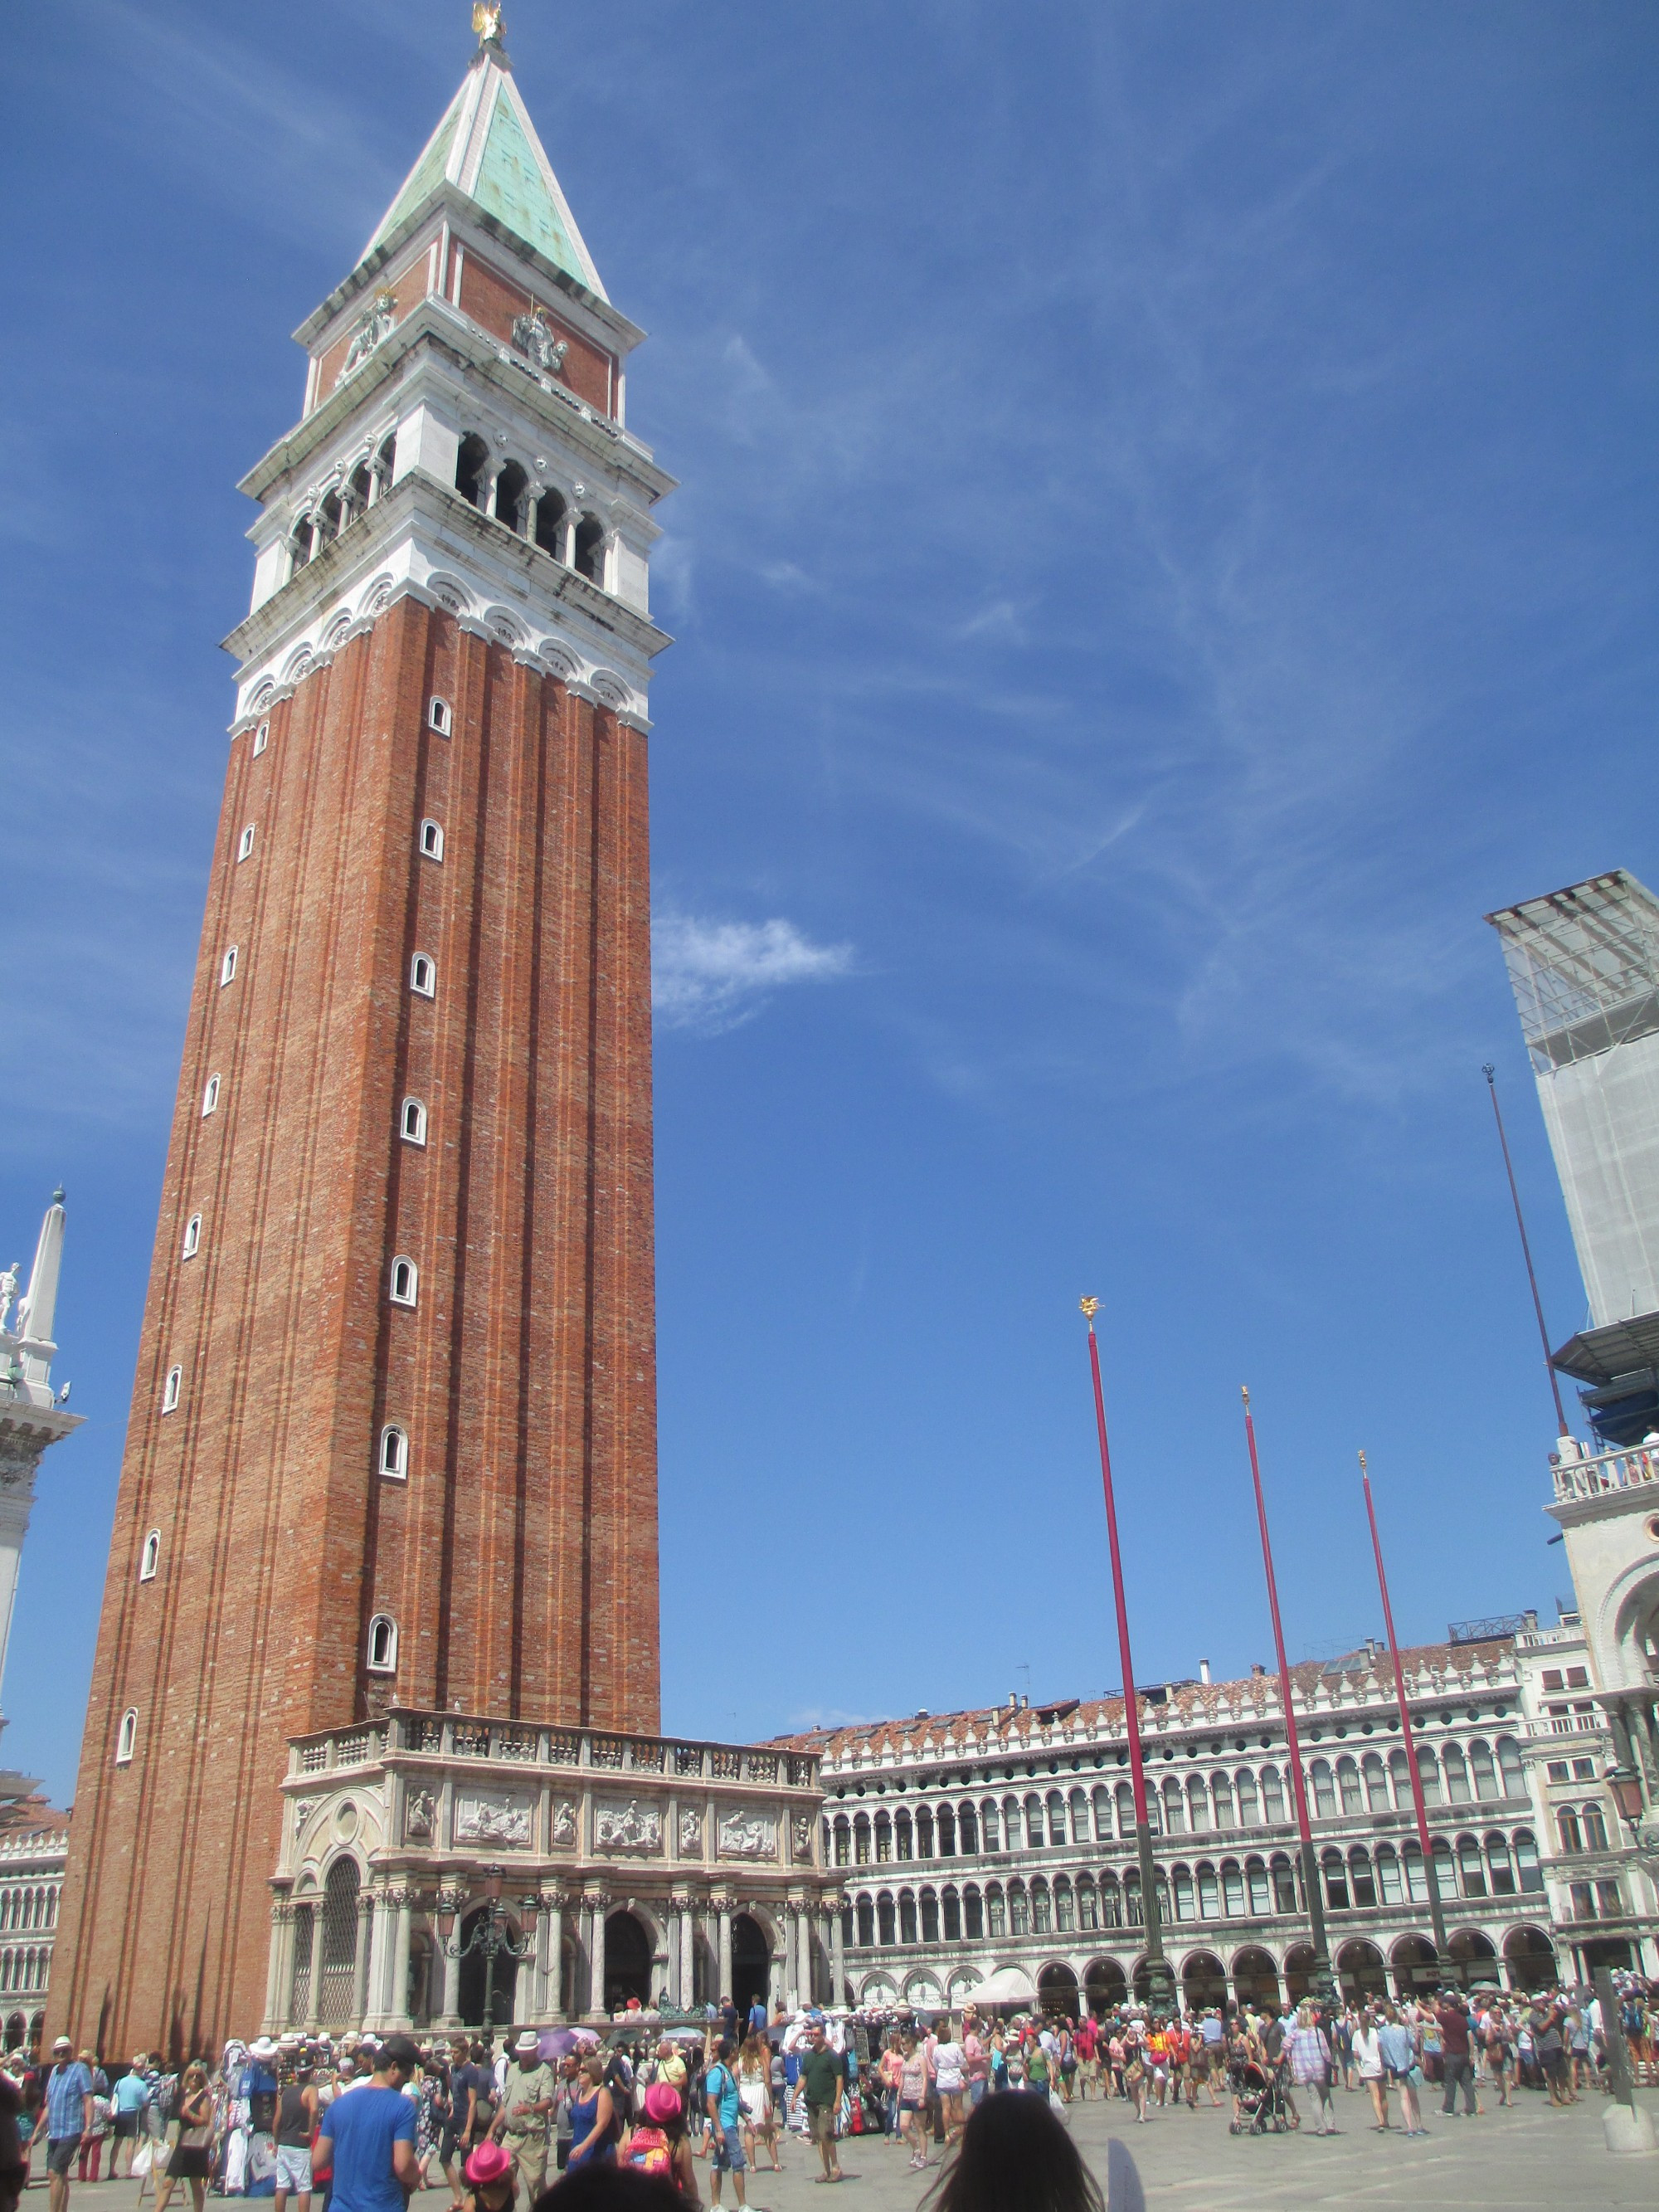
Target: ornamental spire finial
{"points": [[487, 22]]}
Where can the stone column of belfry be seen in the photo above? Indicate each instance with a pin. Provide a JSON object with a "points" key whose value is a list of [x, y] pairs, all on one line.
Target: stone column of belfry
{"points": [[412, 1458]]}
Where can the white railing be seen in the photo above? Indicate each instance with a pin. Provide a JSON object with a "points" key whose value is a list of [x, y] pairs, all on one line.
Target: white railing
{"points": [[1607, 1471], [1590, 1723]]}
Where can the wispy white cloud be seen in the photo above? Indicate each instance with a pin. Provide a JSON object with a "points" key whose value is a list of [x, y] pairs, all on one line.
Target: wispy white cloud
{"points": [[708, 977]]}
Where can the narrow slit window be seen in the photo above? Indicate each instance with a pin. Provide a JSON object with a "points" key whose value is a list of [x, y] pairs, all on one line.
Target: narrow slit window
{"points": [[228, 967], [152, 1557], [171, 1389], [382, 1644], [394, 1452], [439, 716], [432, 839], [261, 738], [423, 977], [405, 1282], [126, 1739], [192, 1236], [414, 1123], [245, 843], [211, 1096]]}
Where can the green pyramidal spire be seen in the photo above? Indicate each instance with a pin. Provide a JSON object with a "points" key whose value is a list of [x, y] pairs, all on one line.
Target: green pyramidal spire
{"points": [[486, 146]]}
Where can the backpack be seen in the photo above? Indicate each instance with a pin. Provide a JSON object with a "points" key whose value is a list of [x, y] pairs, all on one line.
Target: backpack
{"points": [[648, 2152]]}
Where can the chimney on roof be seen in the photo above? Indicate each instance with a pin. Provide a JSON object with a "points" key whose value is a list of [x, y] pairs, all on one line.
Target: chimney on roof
{"points": [[1013, 1701], [1023, 1704], [921, 1712], [1257, 1669], [1203, 1672]]}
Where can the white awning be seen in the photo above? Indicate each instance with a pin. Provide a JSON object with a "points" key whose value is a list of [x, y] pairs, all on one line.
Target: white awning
{"points": [[1008, 1985]]}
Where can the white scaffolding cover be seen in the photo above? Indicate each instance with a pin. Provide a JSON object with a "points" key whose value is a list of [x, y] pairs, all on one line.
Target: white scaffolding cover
{"points": [[1584, 966]]}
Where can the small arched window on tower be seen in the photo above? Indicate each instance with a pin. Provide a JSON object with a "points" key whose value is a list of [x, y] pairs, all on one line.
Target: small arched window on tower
{"points": [[439, 716], [470, 464], [244, 844], [192, 1236], [228, 967], [589, 550], [261, 738], [150, 1558], [394, 1452], [423, 976], [383, 1644], [171, 1389], [380, 471], [300, 547], [432, 839], [329, 522], [126, 1737], [357, 496], [211, 1096], [405, 1282], [550, 523], [412, 1125], [512, 496]]}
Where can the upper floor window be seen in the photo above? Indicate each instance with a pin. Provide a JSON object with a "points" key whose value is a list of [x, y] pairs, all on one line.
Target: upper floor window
{"points": [[550, 523], [228, 967], [211, 1096], [438, 715], [423, 976], [151, 1557], [512, 496], [261, 738], [394, 1452], [471, 462], [245, 843], [432, 839], [192, 1236], [405, 1282], [126, 1737], [171, 1389], [382, 1644], [412, 1126]]}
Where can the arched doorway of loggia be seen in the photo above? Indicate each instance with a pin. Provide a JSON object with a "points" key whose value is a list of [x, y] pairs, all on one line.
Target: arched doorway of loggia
{"points": [[751, 1963], [627, 1961]]}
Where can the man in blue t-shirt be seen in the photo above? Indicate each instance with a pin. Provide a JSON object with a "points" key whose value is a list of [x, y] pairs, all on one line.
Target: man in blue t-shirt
{"points": [[367, 2141]]}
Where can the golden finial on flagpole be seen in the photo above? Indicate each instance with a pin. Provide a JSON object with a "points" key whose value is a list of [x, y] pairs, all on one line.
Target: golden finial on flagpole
{"points": [[487, 22], [1089, 1308], [1244, 1393]]}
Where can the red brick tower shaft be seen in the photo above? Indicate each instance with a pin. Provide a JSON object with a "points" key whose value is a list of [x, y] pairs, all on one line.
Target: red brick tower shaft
{"points": [[393, 1430]]}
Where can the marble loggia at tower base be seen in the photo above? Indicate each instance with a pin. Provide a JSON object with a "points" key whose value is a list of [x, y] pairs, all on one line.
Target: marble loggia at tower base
{"points": [[386, 1537]]}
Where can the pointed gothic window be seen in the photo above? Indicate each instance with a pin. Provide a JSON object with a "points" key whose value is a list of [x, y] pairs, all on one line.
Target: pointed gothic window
{"points": [[423, 977], [126, 1739], [152, 1557], [245, 843], [228, 967], [413, 1124], [170, 1389], [192, 1236], [211, 1096], [438, 715], [261, 738], [382, 1644], [432, 839], [405, 1282]]}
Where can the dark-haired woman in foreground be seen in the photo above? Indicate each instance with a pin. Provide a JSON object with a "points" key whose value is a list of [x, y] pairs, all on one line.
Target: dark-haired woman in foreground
{"points": [[1016, 2155]]}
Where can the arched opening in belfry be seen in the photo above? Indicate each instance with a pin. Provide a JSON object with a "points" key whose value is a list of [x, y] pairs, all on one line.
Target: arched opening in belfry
{"points": [[589, 550], [469, 467], [488, 1987], [549, 524], [752, 1963], [512, 490], [627, 1962]]}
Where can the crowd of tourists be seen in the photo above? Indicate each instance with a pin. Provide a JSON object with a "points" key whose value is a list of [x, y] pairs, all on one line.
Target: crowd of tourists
{"points": [[727, 2093]]}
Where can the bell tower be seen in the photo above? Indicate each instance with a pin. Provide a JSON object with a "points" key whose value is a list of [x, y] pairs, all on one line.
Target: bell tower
{"points": [[393, 1431]]}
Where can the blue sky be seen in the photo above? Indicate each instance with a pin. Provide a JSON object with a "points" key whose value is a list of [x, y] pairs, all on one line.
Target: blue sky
{"points": [[1167, 542]]}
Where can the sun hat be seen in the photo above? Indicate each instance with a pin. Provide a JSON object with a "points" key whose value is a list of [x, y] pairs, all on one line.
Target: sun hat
{"points": [[529, 2041], [662, 2104], [487, 2164]]}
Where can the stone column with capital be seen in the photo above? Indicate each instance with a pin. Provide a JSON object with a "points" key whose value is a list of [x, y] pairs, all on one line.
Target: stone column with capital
{"points": [[315, 1994], [679, 1906], [451, 1954], [380, 1935], [724, 1906], [360, 1957], [803, 1956], [279, 1978], [597, 1905], [838, 1953], [397, 2009]]}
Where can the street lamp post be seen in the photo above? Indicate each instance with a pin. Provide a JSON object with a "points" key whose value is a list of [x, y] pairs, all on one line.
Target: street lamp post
{"points": [[491, 1935]]}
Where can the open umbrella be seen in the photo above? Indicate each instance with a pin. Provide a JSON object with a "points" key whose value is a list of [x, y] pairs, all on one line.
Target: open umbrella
{"points": [[556, 2042]]}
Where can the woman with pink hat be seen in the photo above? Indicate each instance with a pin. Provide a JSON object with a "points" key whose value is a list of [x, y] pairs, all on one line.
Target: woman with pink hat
{"points": [[659, 2145], [493, 2182]]}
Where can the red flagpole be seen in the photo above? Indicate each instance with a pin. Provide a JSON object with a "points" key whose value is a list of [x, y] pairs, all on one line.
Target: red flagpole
{"points": [[1310, 1865], [1161, 1989], [1437, 1917]]}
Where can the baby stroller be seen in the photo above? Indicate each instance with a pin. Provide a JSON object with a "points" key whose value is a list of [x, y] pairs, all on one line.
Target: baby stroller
{"points": [[1261, 2102]]}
